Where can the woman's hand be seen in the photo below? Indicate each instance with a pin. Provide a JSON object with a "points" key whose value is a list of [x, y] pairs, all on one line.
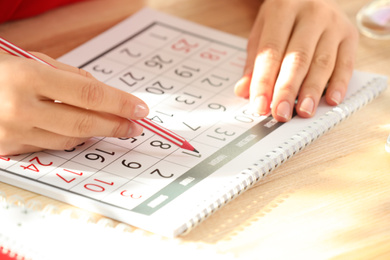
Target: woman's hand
{"points": [[47, 108], [295, 48]]}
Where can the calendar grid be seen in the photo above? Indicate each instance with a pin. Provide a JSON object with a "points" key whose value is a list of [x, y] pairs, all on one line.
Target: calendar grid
{"points": [[150, 26], [190, 79]]}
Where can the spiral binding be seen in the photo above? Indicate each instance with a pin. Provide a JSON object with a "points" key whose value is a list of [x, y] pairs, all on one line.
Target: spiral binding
{"points": [[292, 146]]}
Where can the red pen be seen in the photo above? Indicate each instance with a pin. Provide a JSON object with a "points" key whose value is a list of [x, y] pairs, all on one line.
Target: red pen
{"points": [[146, 123]]}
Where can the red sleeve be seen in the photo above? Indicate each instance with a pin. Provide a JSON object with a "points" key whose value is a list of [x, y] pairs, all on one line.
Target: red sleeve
{"points": [[18, 9]]}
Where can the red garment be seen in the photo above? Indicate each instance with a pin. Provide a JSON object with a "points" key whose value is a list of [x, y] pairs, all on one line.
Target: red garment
{"points": [[18, 9]]}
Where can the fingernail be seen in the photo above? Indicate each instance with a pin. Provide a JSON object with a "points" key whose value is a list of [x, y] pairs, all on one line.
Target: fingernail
{"points": [[260, 105], [141, 111], [336, 97], [240, 82], [307, 106], [284, 110], [241, 88]]}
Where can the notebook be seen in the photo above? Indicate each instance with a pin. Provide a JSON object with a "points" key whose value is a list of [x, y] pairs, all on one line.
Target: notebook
{"points": [[185, 72]]}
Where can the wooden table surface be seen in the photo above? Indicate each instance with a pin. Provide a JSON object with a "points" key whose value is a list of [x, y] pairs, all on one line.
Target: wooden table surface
{"points": [[332, 200]]}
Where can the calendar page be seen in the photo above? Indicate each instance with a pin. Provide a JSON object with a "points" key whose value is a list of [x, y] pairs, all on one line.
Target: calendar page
{"points": [[186, 74]]}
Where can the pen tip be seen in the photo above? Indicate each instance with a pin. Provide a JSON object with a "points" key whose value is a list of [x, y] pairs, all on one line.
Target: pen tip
{"points": [[195, 150]]}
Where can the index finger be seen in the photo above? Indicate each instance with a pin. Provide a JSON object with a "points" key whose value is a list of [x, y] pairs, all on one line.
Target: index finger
{"points": [[88, 93]]}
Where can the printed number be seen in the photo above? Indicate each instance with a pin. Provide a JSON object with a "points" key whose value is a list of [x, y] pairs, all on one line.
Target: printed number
{"points": [[184, 45], [134, 80], [157, 61], [95, 156], [190, 127], [129, 53], [246, 117], [158, 119], [216, 106], [215, 83], [73, 149], [165, 114], [131, 195], [131, 165], [133, 139], [224, 132], [221, 132], [159, 173], [69, 181], [160, 144], [187, 101], [96, 187], [212, 54], [186, 71], [102, 70], [158, 88], [33, 167]]}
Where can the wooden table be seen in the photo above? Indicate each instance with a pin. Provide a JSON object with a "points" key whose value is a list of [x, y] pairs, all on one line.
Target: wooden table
{"points": [[332, 200]]}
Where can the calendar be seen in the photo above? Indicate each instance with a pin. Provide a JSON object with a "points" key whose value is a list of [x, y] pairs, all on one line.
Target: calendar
{"points": [[186, 74]]}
